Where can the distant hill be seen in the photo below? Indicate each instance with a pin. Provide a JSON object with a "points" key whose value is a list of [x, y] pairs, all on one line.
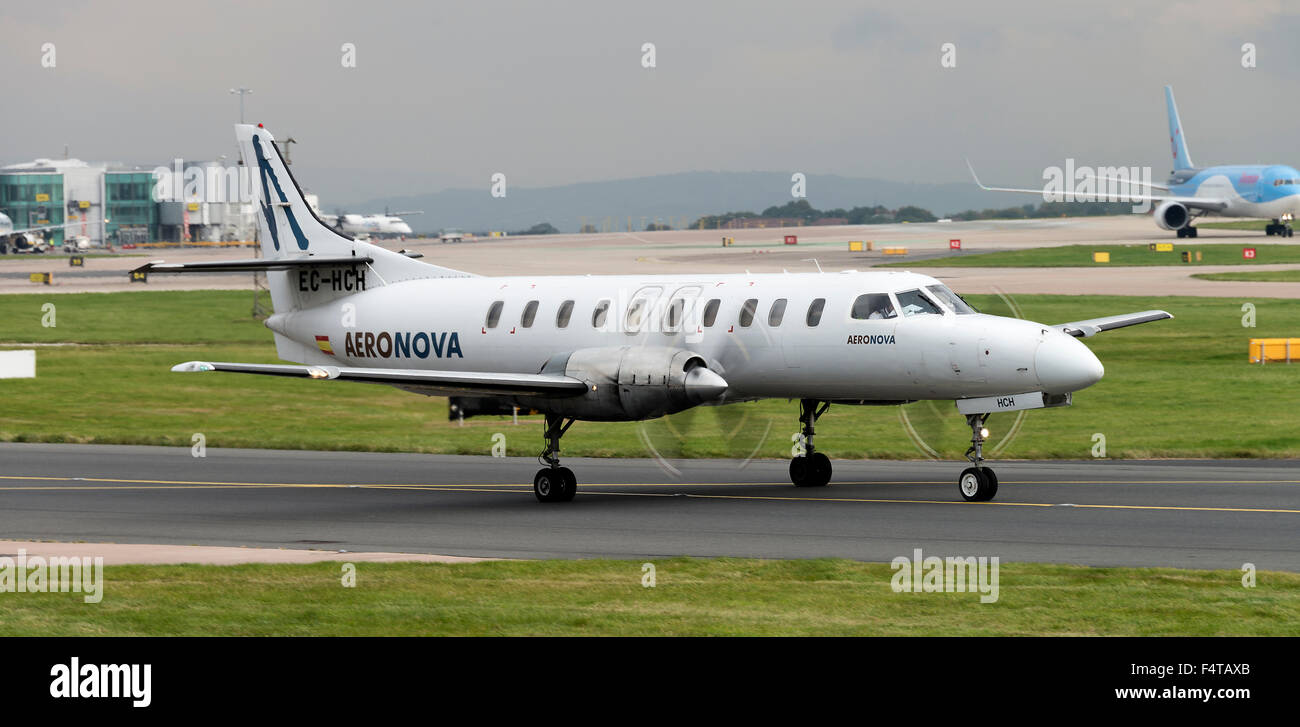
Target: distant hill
{"points": [[671, 197]]}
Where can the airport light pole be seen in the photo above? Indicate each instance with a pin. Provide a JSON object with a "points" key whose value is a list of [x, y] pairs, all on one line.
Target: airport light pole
{"points": [[242, 93]]}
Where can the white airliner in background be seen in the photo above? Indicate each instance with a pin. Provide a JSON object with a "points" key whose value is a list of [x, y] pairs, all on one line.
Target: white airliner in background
{"points": [[384, 225], [634, 347], [363, 226], [25, 239]]}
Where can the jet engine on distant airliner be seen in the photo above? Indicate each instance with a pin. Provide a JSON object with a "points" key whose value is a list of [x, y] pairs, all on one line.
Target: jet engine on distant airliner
{"points": [[1172, 216]]}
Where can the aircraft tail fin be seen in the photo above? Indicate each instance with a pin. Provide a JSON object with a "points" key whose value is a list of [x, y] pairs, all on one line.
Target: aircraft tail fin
{"points": [[1176, 137], [289, 228]]}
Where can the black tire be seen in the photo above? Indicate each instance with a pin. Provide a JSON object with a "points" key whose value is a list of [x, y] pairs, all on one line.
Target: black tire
{"points": [[570, 484], [819, 470], [812, 470], [977, 484], [1191, 232], [549, 485], [799, 471], [993, 482]]}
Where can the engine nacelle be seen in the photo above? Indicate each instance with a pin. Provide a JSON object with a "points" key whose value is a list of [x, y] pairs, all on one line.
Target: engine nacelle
{"points": [[1172, 216], [630, 383]]}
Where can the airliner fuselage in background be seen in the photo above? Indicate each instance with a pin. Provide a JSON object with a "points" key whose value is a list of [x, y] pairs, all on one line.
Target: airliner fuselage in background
{"points": [[25, 239], [629, 348], [372, 225], [1255, 191]]}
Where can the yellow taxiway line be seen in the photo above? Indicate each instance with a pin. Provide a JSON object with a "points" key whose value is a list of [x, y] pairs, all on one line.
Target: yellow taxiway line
{"points": [[133, 484]]}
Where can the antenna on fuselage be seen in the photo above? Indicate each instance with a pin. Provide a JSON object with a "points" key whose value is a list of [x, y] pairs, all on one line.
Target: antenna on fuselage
{"points": [[813, 260]]}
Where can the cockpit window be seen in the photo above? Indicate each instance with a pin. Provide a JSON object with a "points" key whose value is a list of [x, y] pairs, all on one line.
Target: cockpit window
{"points": [[950, 299], [914, 302], [873, 306]]}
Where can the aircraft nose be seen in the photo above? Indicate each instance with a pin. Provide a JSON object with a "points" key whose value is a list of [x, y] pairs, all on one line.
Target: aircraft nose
{"points": [[1063, 364]]}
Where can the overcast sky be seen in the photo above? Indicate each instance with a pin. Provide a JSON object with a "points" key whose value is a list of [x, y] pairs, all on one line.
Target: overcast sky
{"points": [[445, 94]]}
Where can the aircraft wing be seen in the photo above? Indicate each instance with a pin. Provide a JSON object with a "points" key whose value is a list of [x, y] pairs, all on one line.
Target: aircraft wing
{"points": [[252, 265], [1212, 204], [471, 383], [1093, 326], [60, 226]]}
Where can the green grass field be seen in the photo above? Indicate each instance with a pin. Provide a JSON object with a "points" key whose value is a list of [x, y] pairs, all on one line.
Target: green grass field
{"points": [[1262, 276], [1080, 256], [1180, 388], [691, 597]]}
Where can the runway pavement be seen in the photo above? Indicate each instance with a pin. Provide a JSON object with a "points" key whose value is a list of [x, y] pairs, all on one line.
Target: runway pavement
{"points": [[1193, 514]]}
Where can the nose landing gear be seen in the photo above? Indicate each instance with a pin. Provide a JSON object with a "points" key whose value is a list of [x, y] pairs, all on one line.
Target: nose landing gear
{"points": [[554, 483], [978, 483], [813, 469]]}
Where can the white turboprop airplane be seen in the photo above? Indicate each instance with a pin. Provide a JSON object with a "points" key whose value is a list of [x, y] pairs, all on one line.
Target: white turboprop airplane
{"points": [[384, 225], [635, 347]]}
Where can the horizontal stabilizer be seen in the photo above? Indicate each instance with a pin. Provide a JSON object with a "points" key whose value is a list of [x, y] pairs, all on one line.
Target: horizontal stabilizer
{"points": [[253, 265], [1093, 326], [472, 383]]}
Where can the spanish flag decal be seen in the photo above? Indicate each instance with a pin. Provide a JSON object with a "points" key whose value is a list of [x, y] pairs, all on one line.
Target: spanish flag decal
{"points": [[324, 343]]}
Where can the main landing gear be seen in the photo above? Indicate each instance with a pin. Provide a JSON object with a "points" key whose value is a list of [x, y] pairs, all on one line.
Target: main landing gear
{"points": [[1187, 231], [978, 483], [554, 483], [813, 469], [1281, 228]]}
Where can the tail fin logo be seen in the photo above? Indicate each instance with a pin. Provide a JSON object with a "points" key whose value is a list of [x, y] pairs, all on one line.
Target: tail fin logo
{"points": [[265, 172]]}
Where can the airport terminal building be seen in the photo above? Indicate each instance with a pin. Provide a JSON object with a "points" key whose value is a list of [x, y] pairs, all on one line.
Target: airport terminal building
{"points": [[113, 204]]}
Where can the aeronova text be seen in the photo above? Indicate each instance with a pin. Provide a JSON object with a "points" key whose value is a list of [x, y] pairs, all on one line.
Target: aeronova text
{"points": [[402, 344]]}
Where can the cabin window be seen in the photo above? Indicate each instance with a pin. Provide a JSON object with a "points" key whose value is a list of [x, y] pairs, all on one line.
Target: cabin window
{"points": [[950, 299], [673, 316], [635, 313], [599, 315], [747, 312], [873, 306], [530, 313], [915, 303], [815, 311], [711, 312], [563, 315], [494, 313], [776, 313]]}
